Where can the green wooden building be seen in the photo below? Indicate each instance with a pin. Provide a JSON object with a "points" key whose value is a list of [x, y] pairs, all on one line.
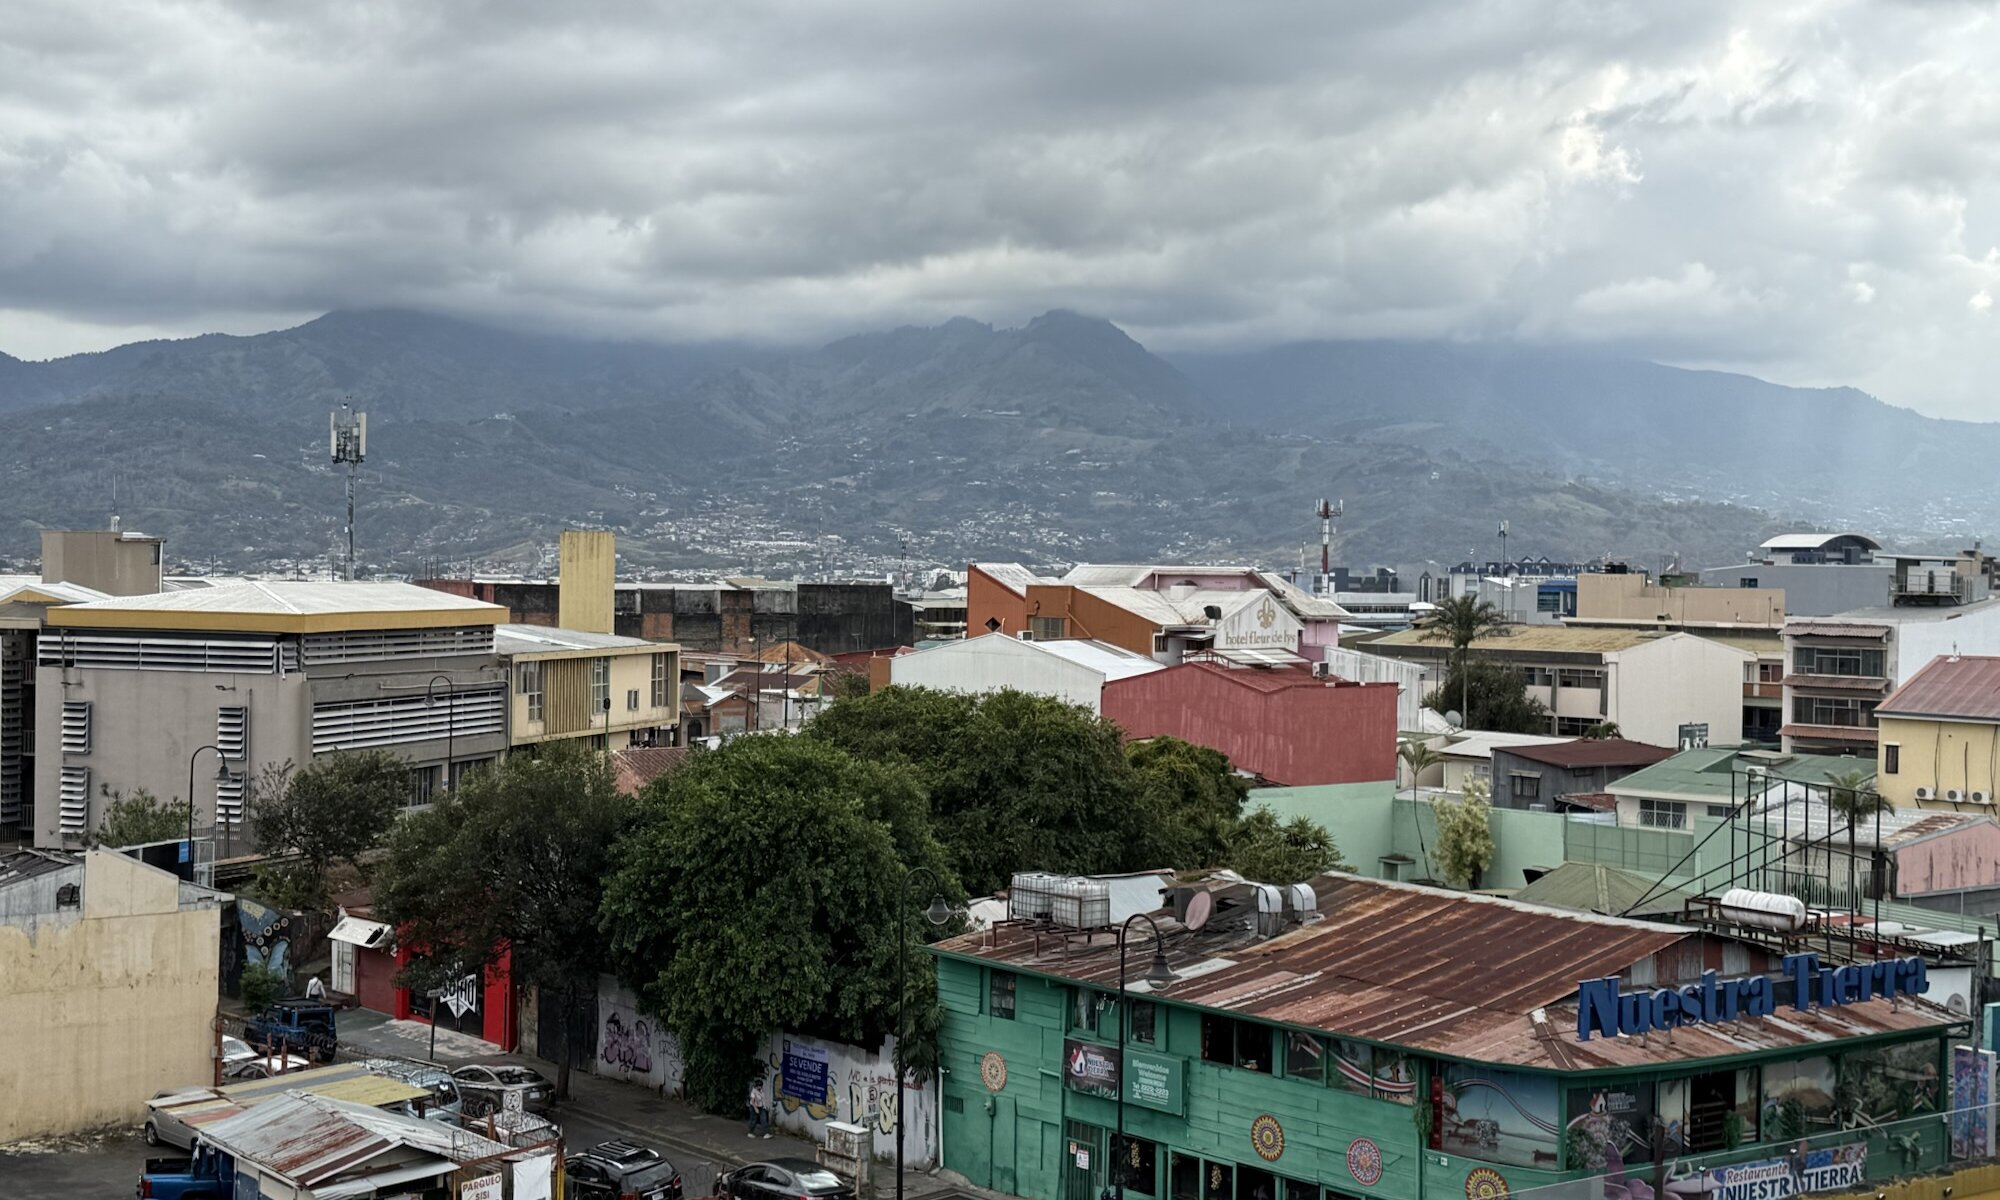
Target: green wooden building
{"points": [[1380, 1040]]}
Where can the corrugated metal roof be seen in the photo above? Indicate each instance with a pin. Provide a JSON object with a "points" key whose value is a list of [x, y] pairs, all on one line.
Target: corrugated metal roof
{"points": [[1112, 662], [1965, 688], [1713, 774], [24, 865], [290, 598], [309, 1140], [1012, 576], [1441, 972], [1592, 887], [1482, 743], [1593, 752], [1522, 639], [346, 1081], [542, 639]]}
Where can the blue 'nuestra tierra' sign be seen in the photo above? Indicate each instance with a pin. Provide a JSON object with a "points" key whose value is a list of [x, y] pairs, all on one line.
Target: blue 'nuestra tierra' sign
{"points": [[1602, 1008]]}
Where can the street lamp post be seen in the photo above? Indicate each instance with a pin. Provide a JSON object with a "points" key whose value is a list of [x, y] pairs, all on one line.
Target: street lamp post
{"points": [[937, 913], [221, 774], [1158, 976], [450, 717]]}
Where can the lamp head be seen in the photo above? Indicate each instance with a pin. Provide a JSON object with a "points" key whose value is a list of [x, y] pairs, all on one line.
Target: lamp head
{"points": [[938, 911], [1159, 975], [221, 769]]}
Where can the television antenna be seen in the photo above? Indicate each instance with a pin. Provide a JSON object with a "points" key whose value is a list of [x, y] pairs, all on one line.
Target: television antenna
{"points": [[348, 443]]}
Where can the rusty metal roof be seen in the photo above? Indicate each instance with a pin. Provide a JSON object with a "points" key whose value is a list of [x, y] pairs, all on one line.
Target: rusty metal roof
{"points": [[312, 1140], [1441, 972], [1965, 688]]}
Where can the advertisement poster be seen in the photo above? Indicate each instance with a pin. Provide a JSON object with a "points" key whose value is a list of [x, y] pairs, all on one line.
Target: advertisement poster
{"points": [[1500, 1116], [1374, 1071], [1891, 1083], [1610, 1126], [1804, 1171], [1090, 1069], [802, 1073], [1971, 1102], [1153, 1081], [1798, 1099]]}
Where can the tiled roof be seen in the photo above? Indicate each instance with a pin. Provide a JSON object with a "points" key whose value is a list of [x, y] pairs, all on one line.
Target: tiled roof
{"points": [[636, 766], [1965, 688]]}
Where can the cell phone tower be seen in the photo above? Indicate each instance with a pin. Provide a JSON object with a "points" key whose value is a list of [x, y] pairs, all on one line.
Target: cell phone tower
{"points": [[348, 441]]}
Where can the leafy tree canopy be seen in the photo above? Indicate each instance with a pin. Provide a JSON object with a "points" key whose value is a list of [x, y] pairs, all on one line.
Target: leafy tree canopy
{"points": [[1464, 835], [759, 890], [1462, 620], [1189, 803], [139, 817], [513, 860], [1494, 696], [1267, 850], [333, 811]]}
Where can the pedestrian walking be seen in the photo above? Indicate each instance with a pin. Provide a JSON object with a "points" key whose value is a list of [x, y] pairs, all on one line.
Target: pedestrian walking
{"points": [[315, 990], [760, 1112]]}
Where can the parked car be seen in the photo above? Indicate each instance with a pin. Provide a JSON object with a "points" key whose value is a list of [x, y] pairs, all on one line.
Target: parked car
{"points": [[206, 1174], [621, 1170], [303, 1026], [784, 1179], [488, 1088], [241, 1060], [163, 1127]]}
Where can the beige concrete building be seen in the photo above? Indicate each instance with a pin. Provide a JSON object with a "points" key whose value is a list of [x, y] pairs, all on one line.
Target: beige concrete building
{"points": [[600, 688], [1637, 600], [108, 984], [114, 562], [215, 683]]}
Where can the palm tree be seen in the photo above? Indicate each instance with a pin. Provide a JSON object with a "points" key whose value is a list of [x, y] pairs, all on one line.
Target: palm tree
{"points": [[1852, 795], [1418, 757], [1463, 620]]}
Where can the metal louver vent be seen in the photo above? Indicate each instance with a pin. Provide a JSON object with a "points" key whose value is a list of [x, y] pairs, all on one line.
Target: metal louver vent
{"points": [[232, 732], [229, 800], [74, 795], [76, 727]]}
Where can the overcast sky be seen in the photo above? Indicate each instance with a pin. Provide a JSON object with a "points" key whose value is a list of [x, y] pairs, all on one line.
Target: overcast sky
{"points": [[1809, 191]]}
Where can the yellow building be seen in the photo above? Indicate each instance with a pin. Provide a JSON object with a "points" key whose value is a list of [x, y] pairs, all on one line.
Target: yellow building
{"points": [[1939, 737], [572, 685], [108, 984]]}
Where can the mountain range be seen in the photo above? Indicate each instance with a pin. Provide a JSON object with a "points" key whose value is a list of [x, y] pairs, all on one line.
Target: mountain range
{"points": [[1059, 441]]}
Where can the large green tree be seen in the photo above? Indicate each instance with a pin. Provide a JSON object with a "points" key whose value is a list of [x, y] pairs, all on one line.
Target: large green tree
{"points": [[513, 861], [759, 890], [1462, 620], [1489, 695], [1190, 802], [1016, 782], [332, 812], [1266, 850]]}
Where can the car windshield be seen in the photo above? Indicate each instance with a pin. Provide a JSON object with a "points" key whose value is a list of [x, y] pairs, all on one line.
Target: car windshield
{"points": [[652, 1176], [820, 1181], [517, 1075]]}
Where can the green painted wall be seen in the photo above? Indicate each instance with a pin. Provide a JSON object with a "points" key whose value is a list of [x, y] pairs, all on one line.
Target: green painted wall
{"points": [[1355, 814]]}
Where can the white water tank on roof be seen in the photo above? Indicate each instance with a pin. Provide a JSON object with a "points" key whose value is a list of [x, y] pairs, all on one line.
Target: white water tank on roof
{"points": [[1764, 910]]}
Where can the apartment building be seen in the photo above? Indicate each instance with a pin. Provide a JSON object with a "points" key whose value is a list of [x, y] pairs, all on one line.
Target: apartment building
{"points": [[1939, 736], [606, 691], [1236, 613], [215, 683], [1841, 667], [1657, 687]]}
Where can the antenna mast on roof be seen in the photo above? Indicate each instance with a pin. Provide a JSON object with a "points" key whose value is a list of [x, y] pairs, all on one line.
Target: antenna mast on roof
{"points": [[348, 443], [1328, 510]]}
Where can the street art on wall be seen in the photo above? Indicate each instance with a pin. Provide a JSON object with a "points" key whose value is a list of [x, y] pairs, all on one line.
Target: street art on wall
{"points": [[267, 938], [632, 1046], [1500, 1116]]}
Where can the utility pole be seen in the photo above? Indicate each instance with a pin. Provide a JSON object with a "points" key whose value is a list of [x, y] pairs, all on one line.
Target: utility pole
{"points": [[1326, 512], [348, 442]]}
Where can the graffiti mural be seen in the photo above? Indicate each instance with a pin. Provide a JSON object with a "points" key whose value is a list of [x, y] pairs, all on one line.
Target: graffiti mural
{"points": [[627, 1046], [267, 936]]}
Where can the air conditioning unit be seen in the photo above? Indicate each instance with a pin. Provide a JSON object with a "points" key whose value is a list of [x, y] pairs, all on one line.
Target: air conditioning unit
{"points": [[1322, 670], [1981, 797], [1953, 795], [1026, 635], [1924, 793]]}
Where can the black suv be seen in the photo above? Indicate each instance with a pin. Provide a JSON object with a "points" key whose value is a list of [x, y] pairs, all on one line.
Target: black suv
{"points": [[621, 1170]]}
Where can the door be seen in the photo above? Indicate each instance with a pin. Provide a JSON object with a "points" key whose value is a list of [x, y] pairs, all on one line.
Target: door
{"points": [[343, 969], [1085, 1172], [1003, 1144]]}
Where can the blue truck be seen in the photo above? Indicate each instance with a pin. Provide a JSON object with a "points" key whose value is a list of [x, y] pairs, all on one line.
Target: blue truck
{"points": [[206, 1174], [295, 1027]]}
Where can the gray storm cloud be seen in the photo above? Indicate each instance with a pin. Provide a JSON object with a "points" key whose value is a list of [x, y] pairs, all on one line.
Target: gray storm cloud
{"points": [[1809, 191]]}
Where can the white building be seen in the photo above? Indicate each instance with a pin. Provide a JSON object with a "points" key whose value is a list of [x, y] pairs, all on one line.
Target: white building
{"points": [[1072, 670]]}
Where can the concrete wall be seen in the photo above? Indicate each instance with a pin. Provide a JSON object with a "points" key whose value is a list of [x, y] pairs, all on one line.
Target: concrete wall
{"points": [[1659, 685], [110, 562], [629, 672], [1964, 859], [589, 561], [1970, 630], [994, 661], [1355, 815], [1634, 598], [1937, 755], [1412, 678], [105, 1008], [1811, 589]]}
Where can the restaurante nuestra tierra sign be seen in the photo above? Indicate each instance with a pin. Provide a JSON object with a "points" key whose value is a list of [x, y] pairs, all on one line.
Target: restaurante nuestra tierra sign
{"points": [[1602, 1008]]}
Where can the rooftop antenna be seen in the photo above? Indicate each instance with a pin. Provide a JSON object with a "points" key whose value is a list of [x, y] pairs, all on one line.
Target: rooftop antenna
{"points": [[114, 504], [1328, 510], [1503, 543], [348, 442]]}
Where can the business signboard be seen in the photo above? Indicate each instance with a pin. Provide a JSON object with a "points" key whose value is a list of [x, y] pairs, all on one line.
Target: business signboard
{"points": [[1832, 1169], [1155, 1081], [1090, 1068]]}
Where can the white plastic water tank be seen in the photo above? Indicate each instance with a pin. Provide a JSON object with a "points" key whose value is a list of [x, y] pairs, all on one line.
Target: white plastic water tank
{"points": [[1765, 910]]}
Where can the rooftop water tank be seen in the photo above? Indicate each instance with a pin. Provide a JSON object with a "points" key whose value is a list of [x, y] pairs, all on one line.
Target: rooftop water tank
{"points": [[1081, 904], [1764, 910]]}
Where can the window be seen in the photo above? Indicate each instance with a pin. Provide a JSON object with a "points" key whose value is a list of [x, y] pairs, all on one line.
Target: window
{"points": [[1719, 811], [1145, 1022], [1000, 995], [1184, 1177], [1892, 758], [1243, 1044], [1298, 1189], [1138, 1168], [76, 727], [1305, 1057], [1255, 1183], [1525, 785], [1770, 672], [1747, 581], [1550, 601], [530, 678], [1843, 711], [1837, 660], [631, 699], [663, 681], [423, 785], [600, 686], [1574, 726], [1538, 676], [1088, 1009], [1047, 629], [1574, 677], [1662, 814]]}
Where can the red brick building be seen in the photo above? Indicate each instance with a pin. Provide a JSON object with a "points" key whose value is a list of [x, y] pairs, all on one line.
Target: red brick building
{"points": [[1285, 725]]}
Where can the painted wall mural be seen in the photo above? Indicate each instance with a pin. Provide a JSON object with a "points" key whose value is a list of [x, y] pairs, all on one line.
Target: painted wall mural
{"points": [[1500, 1116], [631, 1045]]}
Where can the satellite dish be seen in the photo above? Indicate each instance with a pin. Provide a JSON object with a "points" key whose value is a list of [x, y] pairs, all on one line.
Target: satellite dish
{"points": [[1454, 720], [1200, 906]]}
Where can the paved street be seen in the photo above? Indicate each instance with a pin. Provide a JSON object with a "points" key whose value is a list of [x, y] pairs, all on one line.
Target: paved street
{"points": [[75, 1168]]}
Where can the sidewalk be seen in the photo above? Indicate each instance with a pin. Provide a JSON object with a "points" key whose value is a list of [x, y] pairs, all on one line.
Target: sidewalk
{"points": [[628, 1108]]}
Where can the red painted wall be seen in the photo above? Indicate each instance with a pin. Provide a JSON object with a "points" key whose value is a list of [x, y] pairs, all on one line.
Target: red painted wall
{"points": [[375, 980], [498, 1008], [1286, 726]]}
